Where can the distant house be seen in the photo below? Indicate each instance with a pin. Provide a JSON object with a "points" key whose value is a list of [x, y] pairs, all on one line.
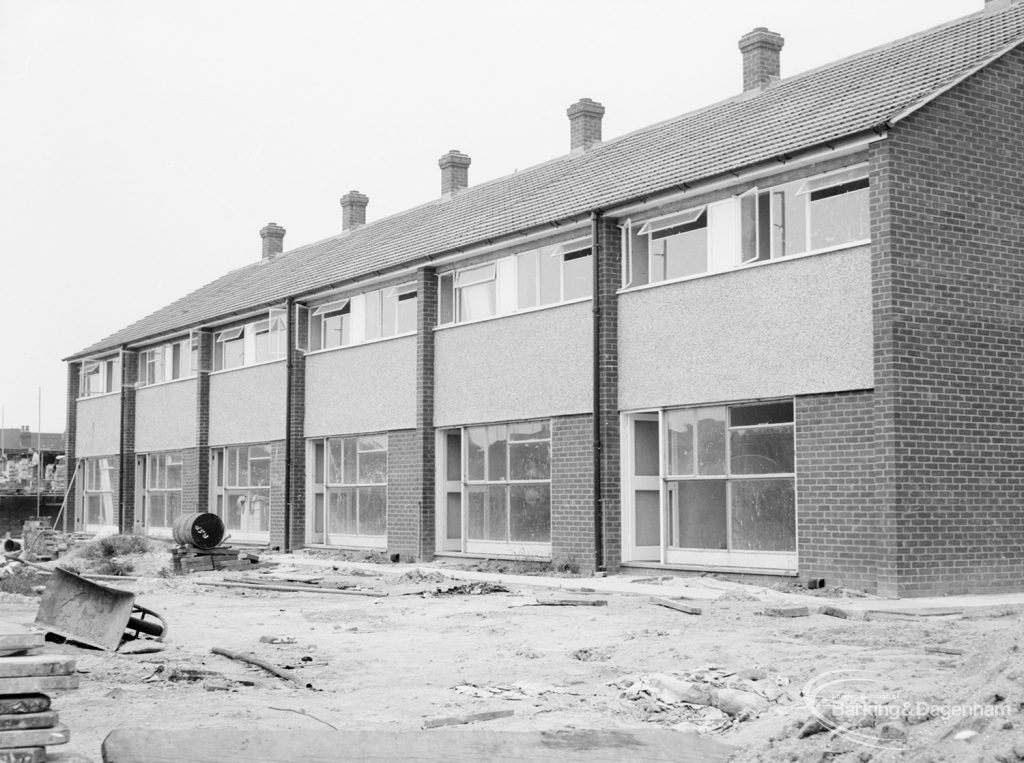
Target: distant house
{"points": [[22, 453], [781, 335]]}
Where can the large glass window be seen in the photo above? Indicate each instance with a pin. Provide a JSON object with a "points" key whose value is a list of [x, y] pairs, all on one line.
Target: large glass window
{"points": [[729, 481], [822, 213], [546, 276], [162, 489], [100, 475], [175, 360], [256, 342], [364, 317], [507, 483], [350, 478], [98, 377], [242, 488]]}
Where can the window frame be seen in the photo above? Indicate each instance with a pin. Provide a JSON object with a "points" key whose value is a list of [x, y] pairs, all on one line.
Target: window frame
{"points": [[274, 324], [383, 304], [763, 198], [507, 276], [226, 460], [319, 475], [161, 464], [99, 376]]}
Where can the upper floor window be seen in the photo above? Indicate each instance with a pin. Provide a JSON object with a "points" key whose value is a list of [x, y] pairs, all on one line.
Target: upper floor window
{"points": [[544, 276], [98, 377], [376, 314], [176, 360], [254, 342], [808, 215]]}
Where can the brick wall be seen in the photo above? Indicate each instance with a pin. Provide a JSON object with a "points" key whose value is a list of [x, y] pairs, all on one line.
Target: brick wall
{"points": [[297, 432], [129, 375], [70, 433], [947, 246], [837, 470], [277, 512], [190, 470], [609, 280], [572, 492], [404, 492], [426, 320]]}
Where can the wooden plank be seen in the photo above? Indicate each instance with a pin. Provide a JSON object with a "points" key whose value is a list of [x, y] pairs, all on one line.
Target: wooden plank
{"points": [[233, 744], [459, 720], [44, 720], [36, 665], [944, 650], [786, 612], [565, 602], [24, 703], [23, 755], [677, 605], [59, 734], [33, 684], [831, 611], [292, 588]]}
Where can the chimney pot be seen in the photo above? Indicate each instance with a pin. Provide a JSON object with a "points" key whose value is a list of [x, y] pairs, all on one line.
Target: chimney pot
{"points": [[584, 123], [760, 50], [273, 240], [353, 210], [454, 171]]}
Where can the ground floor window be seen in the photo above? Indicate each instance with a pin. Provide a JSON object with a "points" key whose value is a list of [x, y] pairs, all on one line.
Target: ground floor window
{"points": [[712, 486], [349, 479], [495, 488], [98, 493], [160, 477], [241, 487]]}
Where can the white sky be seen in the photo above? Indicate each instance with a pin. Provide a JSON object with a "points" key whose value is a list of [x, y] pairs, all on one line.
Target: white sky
{"points": [[144, 144]]}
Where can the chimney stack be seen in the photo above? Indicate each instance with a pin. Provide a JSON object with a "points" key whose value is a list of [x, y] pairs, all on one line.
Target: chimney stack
{"points": [[760, 58], [273, 240], [353, 210], [584, 123], [454, 172]]}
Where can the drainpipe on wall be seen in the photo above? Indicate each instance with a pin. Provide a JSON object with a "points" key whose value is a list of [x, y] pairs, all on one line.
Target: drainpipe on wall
{"points": [[595, 219], [120, 451], [289, 347]]}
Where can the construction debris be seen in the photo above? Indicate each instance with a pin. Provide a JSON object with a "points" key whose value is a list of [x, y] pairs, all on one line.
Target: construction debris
{"points": [[458, 720], [27, 724], [186, 559], [677, 605], [470, 589], [260, 664], [565, 602], [786, 612]]}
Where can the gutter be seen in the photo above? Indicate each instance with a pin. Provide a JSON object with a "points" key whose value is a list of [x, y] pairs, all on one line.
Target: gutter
{"points": [[595, 250]]}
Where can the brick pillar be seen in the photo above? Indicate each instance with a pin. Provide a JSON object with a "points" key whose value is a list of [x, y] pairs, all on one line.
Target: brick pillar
{"points": [[126, 505], [299, 322], [426, 320], [68, 520], [609, 279], [197, 488]]}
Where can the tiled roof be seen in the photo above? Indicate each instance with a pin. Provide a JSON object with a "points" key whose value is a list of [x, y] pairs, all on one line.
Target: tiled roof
{"points": [[15, 440], [841, 99]]}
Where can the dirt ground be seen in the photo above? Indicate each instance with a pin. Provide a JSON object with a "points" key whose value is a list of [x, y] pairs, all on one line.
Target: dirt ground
{"points": [[393, 662]]}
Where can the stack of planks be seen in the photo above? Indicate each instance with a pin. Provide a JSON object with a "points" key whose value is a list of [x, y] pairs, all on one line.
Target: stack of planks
{"points": [[188, 559], [27, 724]]}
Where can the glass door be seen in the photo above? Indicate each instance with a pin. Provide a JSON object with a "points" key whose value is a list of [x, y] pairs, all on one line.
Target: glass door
{"points": [[450, 530], [644, 488]]}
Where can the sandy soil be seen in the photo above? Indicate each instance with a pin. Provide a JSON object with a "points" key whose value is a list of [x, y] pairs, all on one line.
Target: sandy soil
{"points": [[390, 663]]}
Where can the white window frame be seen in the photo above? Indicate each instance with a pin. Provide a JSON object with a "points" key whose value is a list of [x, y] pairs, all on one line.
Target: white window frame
{"points": [[443, 488], [160, 463], [719, 215], [107, 375], [328, 486], [98, 483], [274, 323], [160, 360], [221, 487], [506, 274]]}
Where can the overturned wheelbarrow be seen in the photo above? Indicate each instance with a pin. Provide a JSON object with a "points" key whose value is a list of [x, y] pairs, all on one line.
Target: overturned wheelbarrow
{"points": [[90, 613], [94, 614]]}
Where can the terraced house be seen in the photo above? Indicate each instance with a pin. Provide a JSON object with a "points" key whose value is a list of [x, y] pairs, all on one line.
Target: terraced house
{"points": [[781, 335]]}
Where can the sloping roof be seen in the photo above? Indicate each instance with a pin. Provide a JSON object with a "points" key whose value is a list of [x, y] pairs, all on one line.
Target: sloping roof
{"points": [[845, 98]]}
